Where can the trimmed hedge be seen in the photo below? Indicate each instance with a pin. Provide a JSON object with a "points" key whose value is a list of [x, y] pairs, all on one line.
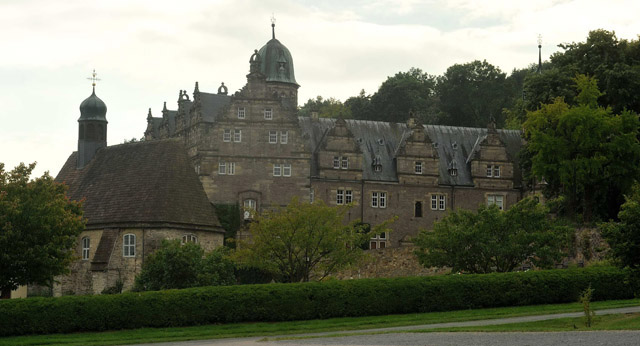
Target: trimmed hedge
{"points": [[303, 301]]}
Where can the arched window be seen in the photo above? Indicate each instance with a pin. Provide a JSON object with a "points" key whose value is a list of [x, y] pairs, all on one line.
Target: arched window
{"points": [[86, 242], [189, 238], [129, 245], [418, 209]]}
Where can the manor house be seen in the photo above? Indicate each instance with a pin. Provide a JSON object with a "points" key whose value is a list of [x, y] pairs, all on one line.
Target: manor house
{"points": [[251, 148]]}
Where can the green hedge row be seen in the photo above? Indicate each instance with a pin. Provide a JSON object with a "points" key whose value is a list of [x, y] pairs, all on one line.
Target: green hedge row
{"points": [[282, 302]]}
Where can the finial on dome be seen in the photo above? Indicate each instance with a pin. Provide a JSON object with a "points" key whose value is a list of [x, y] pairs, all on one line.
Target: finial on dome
{"points": [[93, 79], [273, 26]]}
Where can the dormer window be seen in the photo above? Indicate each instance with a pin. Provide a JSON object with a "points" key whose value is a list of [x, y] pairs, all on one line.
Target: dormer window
{"points": [[493, 171], [377, 164]]}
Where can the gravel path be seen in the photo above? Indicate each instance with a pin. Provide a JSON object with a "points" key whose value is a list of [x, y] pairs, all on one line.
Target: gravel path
{"points": [[600, 338]]}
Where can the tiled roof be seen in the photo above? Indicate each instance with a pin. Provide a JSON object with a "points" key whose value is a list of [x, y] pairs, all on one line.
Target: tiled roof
{"points": [[140, 184]]}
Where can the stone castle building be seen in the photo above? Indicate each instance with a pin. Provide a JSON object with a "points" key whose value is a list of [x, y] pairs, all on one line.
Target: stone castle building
{"points": [[252, 149]]}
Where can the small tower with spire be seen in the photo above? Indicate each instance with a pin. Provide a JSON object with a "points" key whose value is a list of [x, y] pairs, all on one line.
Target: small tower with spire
{"points": [[92, 126]]}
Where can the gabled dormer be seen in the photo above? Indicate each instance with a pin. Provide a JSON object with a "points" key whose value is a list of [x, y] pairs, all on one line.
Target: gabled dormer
{"points": [[491, 164], [339, 156], [417, 160]]}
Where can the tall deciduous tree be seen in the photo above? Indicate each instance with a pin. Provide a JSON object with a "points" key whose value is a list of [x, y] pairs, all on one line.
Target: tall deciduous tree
{"points": [[326, 108], [624, 236], [584, 152], [38, 228], [491, 240], [470, 94], [304, 241]]}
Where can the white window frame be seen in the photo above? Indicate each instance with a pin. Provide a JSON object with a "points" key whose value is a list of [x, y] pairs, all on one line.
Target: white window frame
{"points": [[340, 196], [273, 137], [417, 168], [348, 196], [496, 171], [277, 170], [378, 199], [268, 113], [250, 207], [86, 246], [496, 200], [189, 238], [226, 135], [231, 168], [222, 168], [241, 113], [129, 245], [237, 135], [344, 162], [378, 242], [336, 162], [438, 201], [286, 169], [284, 137]]}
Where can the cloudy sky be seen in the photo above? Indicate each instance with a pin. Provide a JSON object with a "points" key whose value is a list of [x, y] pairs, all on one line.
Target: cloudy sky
{"points": [[144, 51]]}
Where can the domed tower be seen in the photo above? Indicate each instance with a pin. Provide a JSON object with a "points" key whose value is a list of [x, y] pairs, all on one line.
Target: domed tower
{"points": [[276, 64], [92, 126]]}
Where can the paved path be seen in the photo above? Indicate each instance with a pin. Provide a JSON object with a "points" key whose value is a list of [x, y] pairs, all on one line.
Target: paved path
{"points": [[612, 338]]}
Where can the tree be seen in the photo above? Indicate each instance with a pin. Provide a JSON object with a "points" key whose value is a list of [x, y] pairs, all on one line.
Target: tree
{"points": [[585, 153], [470, 94], [304, 240], [38, 228], [326, 108], [493, 240], [177, 265], [624, 236], [359, 106]]}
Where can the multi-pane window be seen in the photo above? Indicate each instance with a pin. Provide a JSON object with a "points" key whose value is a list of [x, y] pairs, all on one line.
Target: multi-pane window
{"points": [[497, 200], [129, 245], [378, 199], [340, 162], [86, 242], [231, 168], [189, 238], [222, 167], [277, 169], [286, 169], [345, 162], [344, 196], [249, 208], [339, 197], [273, 137], [493, 171], [241, 113], [418, 167], [379, 241], [348, 196], [438, 201], [226, 135], [336, 162], [237, 135], [268, 114], [284, 137]]}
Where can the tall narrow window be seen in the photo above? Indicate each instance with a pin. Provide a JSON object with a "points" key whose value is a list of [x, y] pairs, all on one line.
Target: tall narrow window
{"points": [[231, 168], [383, 200], [418, 167], [286, 170], [86, 242], [489, 170], [268, 114], [374, 199], [222, 168], [442, 202], [348, 196], [250, 206], [336, 162], [417, 209], [284, 137], [496, 171], [129, 245], [237, 135], [273, 137], [277, 169], [339, 197], [345, 162], [241, 112], [226, 135]]}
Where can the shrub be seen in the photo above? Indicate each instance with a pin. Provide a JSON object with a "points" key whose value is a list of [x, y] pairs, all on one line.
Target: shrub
{"points": [[302, 301]]}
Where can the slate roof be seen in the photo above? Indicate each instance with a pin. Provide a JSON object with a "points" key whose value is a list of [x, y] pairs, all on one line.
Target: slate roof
{"points": [[140, 185], [212, 105], [376, 138], [171, 120]]}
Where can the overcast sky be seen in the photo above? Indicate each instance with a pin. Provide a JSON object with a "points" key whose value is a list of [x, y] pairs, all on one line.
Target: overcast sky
{"points": [[146, 51]]}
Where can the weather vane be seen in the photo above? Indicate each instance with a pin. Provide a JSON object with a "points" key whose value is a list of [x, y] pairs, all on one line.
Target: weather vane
{"points": [[93, 78], [539, 40], [273, 19], [273, 26]]}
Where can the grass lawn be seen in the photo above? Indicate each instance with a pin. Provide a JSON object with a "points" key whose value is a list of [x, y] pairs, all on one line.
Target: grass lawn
{"points": [[147, 335]]}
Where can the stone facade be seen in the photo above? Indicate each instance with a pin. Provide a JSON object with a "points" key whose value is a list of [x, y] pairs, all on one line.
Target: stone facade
{"points": [[252, 149]]}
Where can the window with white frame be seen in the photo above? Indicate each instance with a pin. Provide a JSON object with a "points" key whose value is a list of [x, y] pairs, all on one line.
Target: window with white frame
{"points": [[277, 169], [379, 241], [250, 207], [129, 245], [231, 168], [189, 238], [497, 200], [268, 114], [226, 135], [241, 113], [438, 201], [378, 199], [493, 171], [339, 196], [284, 137], [222, 168], [286, 169], [418, 167], [86, 242], [273, 137], [345, 162], [336, 162], [237, 135], [348, 196]]}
